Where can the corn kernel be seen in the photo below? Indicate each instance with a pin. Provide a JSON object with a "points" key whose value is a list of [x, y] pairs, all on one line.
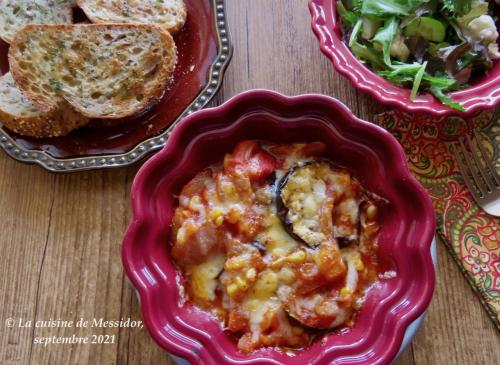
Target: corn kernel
{"points": [[358, 263], [235, 263], [215, 213], [251, 274], [279, 252], [240, 283], [287, 275], [181, 236], [232, 290], [345, 292], [267, 283], [233, 216], [278, 263], [297, 257]]}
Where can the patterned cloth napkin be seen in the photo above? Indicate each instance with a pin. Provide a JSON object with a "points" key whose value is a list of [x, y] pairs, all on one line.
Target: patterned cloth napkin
{"points": [[471, 236]]}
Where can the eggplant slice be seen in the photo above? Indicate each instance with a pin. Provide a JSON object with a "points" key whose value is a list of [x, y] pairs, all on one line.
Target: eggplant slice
{"points": [[318, 311], [303, 204], [318, 201]]}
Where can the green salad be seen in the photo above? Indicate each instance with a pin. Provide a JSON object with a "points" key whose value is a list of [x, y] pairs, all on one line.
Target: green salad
{"points": [[426, 45]]}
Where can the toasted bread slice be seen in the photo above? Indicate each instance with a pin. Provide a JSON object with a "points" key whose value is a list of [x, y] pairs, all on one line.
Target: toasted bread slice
{"points": [[105, 71], [15, 14], [20, 115], [169, 14]]}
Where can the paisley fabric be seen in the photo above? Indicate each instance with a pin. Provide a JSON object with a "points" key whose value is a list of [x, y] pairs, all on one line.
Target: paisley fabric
{"points": [[471, 236]]}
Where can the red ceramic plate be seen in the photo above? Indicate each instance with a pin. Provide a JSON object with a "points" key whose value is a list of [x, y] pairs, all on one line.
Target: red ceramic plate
{"points": [[204, 50], [483, 94], [376, 159]]}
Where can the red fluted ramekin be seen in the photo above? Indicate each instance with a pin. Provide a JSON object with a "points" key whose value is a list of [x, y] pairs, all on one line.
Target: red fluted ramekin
{"points": [[375, 158]]}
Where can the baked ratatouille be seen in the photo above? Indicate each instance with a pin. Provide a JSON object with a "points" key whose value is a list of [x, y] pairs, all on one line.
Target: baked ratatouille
{"points": [[278, 243]]}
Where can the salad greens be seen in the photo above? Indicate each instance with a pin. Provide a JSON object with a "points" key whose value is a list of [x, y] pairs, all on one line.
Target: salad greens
{"points": [[385, 37], [457, 7], [427, 45], [382, 8]]}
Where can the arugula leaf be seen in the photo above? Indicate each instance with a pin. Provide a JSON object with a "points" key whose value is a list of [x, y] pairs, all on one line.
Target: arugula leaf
{"points": [[417, 81], [355, 32], [353, 5], [348, 17], [443, 82], [363, 52], [457, 7], [385, 8], [382, 8], [404, 73], [439, 94], [399, 79], [385, 36], [357, 4], [401, 71], [439, 84]]}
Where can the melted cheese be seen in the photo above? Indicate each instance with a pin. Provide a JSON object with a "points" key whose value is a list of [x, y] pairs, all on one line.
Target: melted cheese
{"points": [[276, 239], [204, 277], [261, 300]]}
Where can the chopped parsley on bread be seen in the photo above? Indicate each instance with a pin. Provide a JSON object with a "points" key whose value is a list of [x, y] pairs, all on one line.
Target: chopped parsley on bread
{"points": [[106, 71], [15, 14]]}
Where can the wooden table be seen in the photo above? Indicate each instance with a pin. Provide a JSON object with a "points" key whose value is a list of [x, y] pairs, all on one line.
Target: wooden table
{"points": [[61, 234]]}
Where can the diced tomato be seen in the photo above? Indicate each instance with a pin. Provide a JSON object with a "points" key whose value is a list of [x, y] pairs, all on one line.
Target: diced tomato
{"points": [[237, 322], [250, 159], [245, 343], [329, 261]]}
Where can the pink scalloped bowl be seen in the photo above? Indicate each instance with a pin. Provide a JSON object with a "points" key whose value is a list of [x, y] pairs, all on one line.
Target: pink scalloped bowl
{"points": [[375, 158], [483, 94]]}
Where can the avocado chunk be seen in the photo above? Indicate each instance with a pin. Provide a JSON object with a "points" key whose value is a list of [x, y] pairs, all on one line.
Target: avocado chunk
{"points": [[431, 29]]}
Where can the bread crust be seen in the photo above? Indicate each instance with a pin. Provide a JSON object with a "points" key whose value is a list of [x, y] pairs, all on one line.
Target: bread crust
{"points": [[46, 125], [53, 94], [172, 18], [18, 114]]}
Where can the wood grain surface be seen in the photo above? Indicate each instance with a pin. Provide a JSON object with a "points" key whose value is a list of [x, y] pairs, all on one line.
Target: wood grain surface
{"points": [[60, 235]]}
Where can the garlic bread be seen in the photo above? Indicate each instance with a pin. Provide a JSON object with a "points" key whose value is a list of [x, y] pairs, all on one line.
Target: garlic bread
{"points": [[20, 115], [106, 71], [15, 14], [169, 14]]}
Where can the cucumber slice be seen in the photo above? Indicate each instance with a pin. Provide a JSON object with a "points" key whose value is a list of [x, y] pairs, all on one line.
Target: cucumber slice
{"points": [[431, 29]]}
